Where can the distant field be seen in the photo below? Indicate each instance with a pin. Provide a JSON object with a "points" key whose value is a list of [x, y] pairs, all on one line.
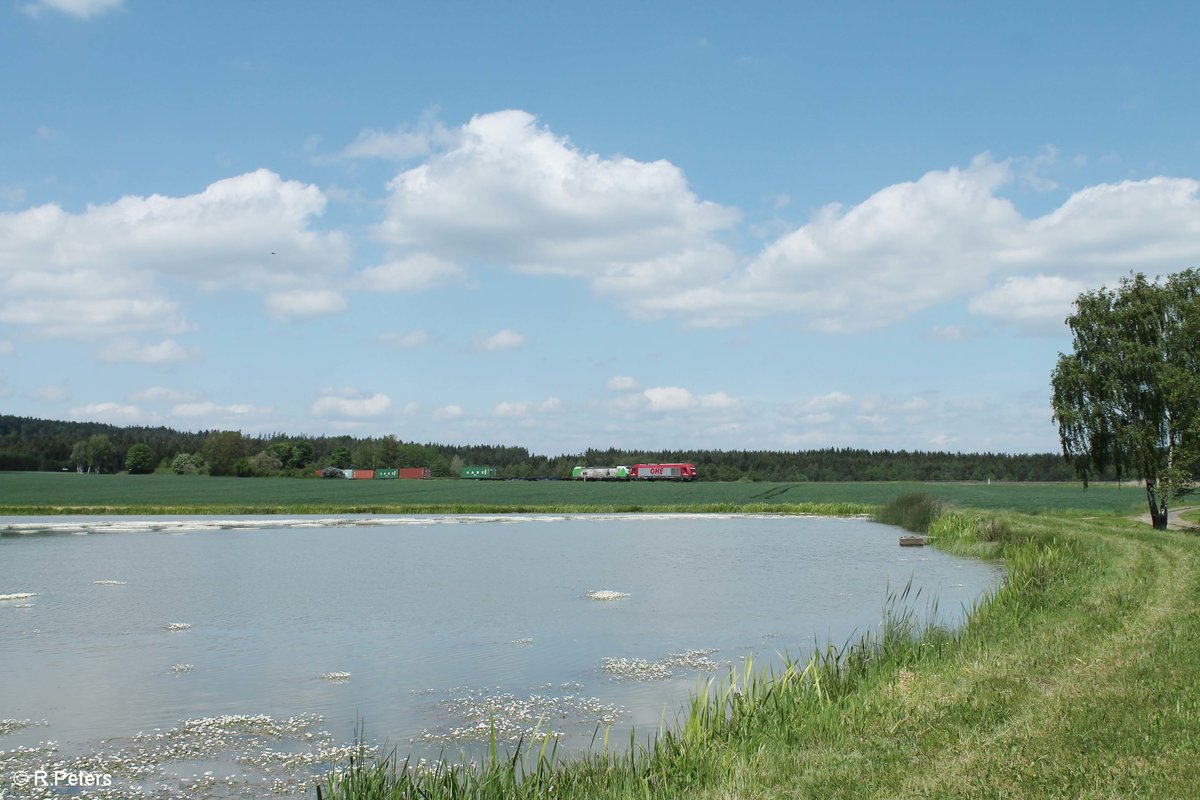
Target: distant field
{"points": [[49, 492]]}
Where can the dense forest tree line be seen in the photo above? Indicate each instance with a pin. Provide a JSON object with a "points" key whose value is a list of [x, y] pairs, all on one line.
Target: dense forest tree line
{"points": [[36, 444]]}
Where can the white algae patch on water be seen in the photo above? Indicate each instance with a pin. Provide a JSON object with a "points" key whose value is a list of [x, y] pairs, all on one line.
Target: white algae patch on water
{"points": [[641, 669], [17, 596], [482, 714], [242, 756], [181, 668], [110, 583], [178, 626], [638, 669], [605, 594], [8, 726], [521, 642], [336, 677]]}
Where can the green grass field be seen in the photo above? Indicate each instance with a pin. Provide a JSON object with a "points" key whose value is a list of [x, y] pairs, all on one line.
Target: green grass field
{"points": [[50, 493]]}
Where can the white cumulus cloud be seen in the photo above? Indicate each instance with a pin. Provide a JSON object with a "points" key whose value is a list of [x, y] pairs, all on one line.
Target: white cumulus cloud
{"points": [[405, 142], [623, 383], [447, 412], [210, 409], [305, 303], [160, 394], [511, 192], [950, 237], [130, 351], [507, 191], [415, 273], [404, 341], [501, 340], [1039, 302], [82, 9], [512, 409], [350, 403], [676, 398], [111, 269], [109, 412]]}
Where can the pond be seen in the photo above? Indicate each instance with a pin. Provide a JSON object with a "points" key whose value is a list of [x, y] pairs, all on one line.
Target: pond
{"points": [[158, 650]]}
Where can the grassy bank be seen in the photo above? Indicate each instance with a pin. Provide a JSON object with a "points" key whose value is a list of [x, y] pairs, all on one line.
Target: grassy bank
{"points": [[1076, 679], [67, 493]]}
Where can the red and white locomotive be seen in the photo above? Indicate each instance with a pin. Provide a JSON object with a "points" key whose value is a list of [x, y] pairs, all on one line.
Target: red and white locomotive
{"points": [[664, 472]]}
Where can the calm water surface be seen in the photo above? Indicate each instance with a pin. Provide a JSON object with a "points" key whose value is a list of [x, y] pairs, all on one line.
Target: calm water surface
{"points": [[440, 622]]}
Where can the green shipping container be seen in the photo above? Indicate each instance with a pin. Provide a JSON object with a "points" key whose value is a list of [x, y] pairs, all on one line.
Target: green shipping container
{"points": [[477, 473], [386, 473]]}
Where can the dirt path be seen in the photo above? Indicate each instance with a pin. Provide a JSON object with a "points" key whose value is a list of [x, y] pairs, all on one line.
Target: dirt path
{"points": [[1174, 522]]}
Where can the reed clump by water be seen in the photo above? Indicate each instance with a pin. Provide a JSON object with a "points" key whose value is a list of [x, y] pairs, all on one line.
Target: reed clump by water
{"points": [[913, 511]]}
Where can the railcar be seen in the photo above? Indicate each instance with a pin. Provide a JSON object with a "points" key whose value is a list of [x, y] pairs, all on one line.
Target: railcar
{"points": [[664, 472], [601, 473]]}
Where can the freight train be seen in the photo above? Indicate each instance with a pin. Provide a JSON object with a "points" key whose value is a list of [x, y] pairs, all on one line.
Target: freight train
{"points": [[649, 472], [399, 473]]}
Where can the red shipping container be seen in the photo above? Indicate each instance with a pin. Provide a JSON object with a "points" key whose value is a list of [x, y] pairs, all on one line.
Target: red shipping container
{"points": [[414, 473], [364, 474]]}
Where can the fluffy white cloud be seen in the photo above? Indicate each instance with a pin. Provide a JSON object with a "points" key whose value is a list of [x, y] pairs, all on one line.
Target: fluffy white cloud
{"points": [[449, 412], [75, 8], [160, 394], [823, 403], [906, 247], [508, 191], [130, 351], [623, 383], [522, 409], [404, 142], [1038, 303], [109, 412], [350, 403], [511, 192], [305, 303], [211, 409], [947, 237], [107, 269], [415, 273], [88, 317], [404, 341], [676, 398], [501, 340], [511, 409]]}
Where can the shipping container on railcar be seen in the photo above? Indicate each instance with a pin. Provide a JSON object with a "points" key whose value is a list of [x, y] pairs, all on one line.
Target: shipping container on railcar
{"points": [[665, 472], [413, 473], [601, 473], [477, 473], [381, 474]]}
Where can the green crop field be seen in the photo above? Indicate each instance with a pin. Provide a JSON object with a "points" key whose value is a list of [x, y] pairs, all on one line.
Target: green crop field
{"points": [[50, 493]]}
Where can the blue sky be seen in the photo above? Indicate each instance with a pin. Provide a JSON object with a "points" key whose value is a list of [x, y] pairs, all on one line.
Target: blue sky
{"points": [[568, 225]]}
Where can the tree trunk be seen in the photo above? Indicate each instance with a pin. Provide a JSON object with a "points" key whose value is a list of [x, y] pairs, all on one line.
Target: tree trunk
{"points": [[1158, 507]]}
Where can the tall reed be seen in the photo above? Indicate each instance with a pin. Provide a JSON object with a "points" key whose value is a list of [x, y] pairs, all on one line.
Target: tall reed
{"points": [[913, 511]]}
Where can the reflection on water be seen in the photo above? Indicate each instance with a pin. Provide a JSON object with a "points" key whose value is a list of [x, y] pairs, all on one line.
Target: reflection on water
{"points": [[274, 637]]}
